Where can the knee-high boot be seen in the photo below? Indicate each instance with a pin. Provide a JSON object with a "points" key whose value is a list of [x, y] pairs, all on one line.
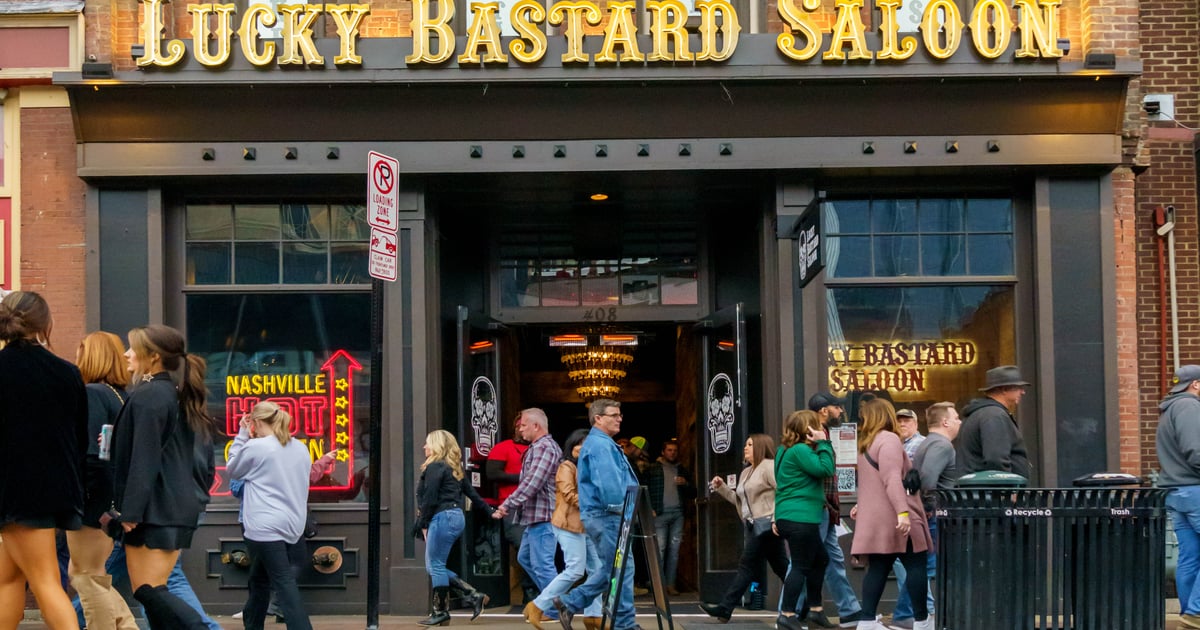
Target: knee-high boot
{"points": [[472, 597], [165, 611], [441, 608]]}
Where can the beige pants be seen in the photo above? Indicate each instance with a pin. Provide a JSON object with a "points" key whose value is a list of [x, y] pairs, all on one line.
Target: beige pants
{"points": [[103, 606]]}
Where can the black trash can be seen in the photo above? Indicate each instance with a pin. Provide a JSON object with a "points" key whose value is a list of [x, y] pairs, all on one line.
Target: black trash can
{"points": [[1086, 558]]}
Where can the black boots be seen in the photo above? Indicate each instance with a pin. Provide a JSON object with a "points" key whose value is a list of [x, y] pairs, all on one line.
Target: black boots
{"points": [[471, 597], [717, 611], [441, 608], [165, 611]]}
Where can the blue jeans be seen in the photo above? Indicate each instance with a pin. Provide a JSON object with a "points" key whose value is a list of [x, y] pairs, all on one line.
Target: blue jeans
{"points": [[177, 584], [1183, 504], [603, 532], [668, 527], [537, 553], [835, 574], [578, 555], [444, 529]]}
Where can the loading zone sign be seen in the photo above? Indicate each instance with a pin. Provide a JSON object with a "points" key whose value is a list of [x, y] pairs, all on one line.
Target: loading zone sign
{"points": [[383, 193], [383, 255], [383, 201]]}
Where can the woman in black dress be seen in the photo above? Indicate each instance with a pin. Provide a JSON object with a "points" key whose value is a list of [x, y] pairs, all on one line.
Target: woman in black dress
{"points": [[155, 485], [101, 362], [43, 429]]}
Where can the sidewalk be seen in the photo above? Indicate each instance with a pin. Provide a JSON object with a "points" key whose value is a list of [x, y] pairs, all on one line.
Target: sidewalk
{"points": [[683, 618]]}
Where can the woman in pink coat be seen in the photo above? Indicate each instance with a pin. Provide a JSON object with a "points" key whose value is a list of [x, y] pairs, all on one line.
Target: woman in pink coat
{"points": [[891, 522]]}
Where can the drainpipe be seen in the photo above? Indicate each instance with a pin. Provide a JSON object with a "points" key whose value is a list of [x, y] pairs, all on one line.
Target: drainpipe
{"points": [[1168, 229]]}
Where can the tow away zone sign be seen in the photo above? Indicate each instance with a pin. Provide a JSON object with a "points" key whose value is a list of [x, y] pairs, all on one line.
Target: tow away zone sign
{"points": [[383, 201]]}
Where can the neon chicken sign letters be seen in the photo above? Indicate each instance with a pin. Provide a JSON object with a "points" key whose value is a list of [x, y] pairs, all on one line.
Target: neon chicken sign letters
{"points": [[322, 410]]}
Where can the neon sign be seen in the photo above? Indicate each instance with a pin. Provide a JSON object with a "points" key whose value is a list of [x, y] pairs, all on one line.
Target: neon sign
{"points": [[894, 365], [322, 410]]}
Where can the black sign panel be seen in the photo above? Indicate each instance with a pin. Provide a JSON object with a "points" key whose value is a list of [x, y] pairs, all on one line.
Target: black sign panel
{"points": [[810, 255]]}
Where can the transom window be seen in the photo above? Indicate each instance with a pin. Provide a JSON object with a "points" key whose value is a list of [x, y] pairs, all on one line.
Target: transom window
{"points": [[276, 244], [651, 266], [930, 237]]}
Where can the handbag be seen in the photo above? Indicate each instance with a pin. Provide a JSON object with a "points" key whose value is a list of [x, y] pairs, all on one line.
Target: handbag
{"points": [[762, 525]]}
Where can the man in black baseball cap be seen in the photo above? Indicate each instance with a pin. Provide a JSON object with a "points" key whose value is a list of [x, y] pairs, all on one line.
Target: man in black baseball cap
{"points": [[828, 406]]}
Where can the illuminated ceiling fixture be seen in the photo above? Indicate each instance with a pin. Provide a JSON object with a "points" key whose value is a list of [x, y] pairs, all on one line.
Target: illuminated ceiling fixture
{"points": [[598, 370], [599, 197]]}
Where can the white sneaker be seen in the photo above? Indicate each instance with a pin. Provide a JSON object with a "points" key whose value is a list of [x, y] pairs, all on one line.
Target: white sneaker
{"points": [[871, 625], [924, 625], [237, 615]]}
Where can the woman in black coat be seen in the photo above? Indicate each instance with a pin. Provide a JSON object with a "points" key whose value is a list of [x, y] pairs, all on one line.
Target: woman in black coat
{"points": [[155, 485], [43, 430]]}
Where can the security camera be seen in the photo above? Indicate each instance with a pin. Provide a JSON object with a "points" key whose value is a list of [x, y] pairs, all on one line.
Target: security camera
{"points": [[1152, 107]]}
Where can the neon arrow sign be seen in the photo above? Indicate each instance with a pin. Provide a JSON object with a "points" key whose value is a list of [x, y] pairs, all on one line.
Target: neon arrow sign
{"points": [[322, 410]]}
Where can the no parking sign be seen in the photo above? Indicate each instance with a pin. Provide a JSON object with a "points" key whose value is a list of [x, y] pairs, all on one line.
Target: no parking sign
{"points": [[383, 201]]}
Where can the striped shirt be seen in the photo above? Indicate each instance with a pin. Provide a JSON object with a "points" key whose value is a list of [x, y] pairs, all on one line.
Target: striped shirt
{"points": [[533, 500]]}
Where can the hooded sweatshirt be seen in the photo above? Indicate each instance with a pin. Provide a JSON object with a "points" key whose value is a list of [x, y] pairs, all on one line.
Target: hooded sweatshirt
{"points": [[990, 440], [1178, 440]]}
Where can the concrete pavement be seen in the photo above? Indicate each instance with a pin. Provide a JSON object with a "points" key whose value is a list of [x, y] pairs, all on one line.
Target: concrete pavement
{"points": [[685, 618]]}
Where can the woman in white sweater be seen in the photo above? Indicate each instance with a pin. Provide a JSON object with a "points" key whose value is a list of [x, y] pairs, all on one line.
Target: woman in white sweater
{"points": [[755, 499], [274, 468]]}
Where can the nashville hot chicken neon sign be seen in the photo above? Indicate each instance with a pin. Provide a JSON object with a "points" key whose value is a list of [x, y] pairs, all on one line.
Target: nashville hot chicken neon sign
{"points": [[322, 410], [991, 25]]}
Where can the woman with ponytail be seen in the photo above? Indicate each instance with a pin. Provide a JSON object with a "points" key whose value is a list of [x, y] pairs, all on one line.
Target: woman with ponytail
{"points": [[159, 486], [43, 427], [274, 470]]}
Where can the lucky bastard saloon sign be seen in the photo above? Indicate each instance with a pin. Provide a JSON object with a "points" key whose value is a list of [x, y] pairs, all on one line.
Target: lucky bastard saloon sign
{"points": [[990, 27]]}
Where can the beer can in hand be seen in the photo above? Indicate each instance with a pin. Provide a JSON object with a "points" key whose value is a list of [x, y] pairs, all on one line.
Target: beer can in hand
{"points": [[106, 441]]}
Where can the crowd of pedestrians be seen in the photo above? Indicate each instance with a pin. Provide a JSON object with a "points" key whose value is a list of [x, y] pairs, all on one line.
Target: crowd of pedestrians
{"points": [[116, 450]]}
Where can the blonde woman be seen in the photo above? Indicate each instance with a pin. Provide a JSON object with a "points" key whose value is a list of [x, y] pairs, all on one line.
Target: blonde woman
{"points": [[754, 497], [891, 522], [43, 430], [802, 463], [101, 362], [440, 518], [157, 489], [274, 470]]}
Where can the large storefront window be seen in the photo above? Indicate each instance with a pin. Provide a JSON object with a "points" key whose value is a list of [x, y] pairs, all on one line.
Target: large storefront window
{"points": [[931, 338], [309, 353]]}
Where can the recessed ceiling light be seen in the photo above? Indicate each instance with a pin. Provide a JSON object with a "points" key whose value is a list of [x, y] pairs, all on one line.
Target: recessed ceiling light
{"points": [[599, 197]]}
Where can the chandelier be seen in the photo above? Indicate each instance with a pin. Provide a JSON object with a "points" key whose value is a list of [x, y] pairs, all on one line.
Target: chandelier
{"points": [[596, 370]]}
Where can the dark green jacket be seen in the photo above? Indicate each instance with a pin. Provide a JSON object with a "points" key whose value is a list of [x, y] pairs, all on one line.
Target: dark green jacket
{"points": [[800, 473]]}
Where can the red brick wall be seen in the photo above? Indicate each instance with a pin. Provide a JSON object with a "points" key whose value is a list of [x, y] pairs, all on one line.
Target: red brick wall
{"points": [[52, 222], [1170, 54]]}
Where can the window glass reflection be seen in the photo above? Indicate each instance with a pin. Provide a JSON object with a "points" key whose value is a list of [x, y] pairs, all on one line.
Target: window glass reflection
{"points": [[307, 352], [920, 345], [918, 237]]}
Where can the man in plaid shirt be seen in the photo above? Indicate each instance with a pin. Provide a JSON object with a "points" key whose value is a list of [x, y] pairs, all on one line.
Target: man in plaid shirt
{"points": [[533, 501]]}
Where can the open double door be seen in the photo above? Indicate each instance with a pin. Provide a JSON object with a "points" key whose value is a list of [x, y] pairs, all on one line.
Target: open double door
{"points": [[484, 352]]}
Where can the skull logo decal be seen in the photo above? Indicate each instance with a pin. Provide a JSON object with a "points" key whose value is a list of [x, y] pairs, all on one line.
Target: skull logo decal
{"points": [[720, 413], [483, 414]]}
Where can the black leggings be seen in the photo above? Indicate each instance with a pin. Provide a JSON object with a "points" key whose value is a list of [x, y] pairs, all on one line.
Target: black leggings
{"points": [[879, 566], [768, 547], [808, 564]]}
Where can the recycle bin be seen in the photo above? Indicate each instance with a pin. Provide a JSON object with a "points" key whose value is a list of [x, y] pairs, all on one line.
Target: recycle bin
{"points": [[1085, 558]]}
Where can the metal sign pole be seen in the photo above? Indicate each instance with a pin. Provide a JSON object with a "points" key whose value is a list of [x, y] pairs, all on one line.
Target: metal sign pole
{"points": [[376, 440]]}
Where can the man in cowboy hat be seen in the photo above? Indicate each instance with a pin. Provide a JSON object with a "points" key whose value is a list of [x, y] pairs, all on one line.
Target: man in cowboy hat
{"points": [[990, 439]]}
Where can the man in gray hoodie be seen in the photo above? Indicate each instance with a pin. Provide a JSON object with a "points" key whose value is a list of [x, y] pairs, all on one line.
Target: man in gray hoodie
{"points": [[1178, 442]]}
